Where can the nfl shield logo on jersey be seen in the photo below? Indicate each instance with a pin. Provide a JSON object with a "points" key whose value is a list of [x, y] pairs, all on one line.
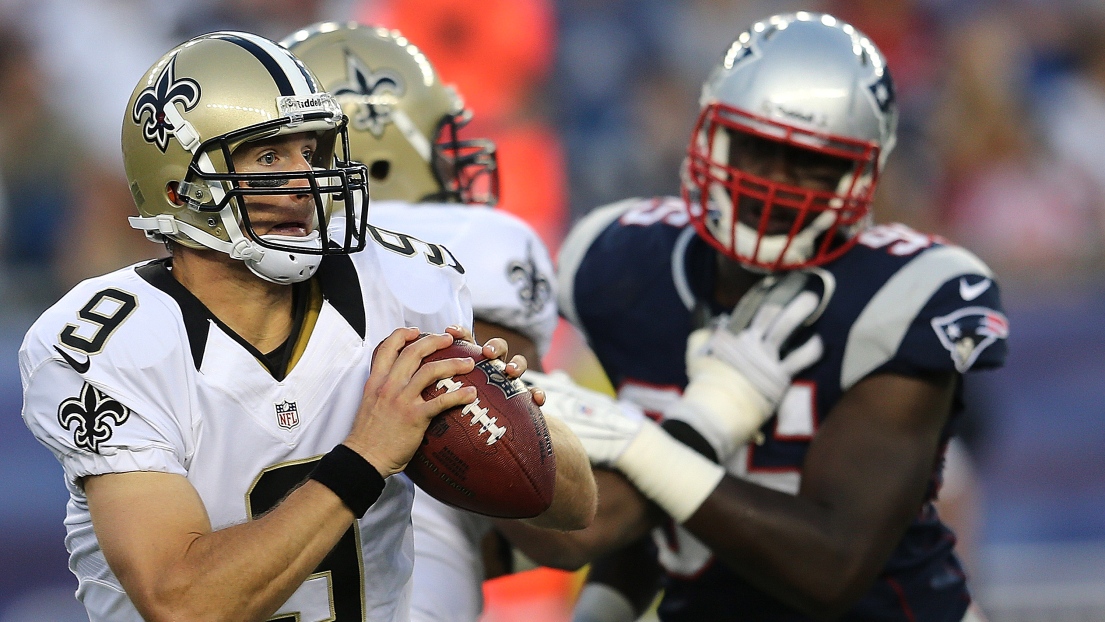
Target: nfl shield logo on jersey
{"points": [[967, 332], [287, 414]]}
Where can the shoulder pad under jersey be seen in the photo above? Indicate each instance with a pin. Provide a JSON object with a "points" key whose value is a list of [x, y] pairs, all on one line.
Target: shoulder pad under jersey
{"points": [[425, 278], [507, 267], [940, 309], [639, 238], [106, 378]]}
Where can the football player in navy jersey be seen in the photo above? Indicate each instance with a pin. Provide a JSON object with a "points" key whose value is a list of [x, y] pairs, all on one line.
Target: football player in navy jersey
{"points": [[806, 498]]}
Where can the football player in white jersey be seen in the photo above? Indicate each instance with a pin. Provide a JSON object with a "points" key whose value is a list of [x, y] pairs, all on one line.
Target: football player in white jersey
{"points": [[232, 421], [428, 182]]}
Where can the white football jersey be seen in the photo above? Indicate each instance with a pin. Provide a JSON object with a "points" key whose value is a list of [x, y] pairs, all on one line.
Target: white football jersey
{"points": [[511, 278], [129, 372], [448, 562], [506, 264]]}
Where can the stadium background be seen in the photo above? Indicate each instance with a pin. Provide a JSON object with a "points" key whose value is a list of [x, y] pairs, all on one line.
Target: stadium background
{"points": [[1003, 116]]}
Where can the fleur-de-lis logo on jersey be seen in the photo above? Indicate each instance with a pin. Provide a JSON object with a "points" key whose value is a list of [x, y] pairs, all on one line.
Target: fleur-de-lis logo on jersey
{"points": [[535, 289], [152, 102], [90, 415], [374, 92]]}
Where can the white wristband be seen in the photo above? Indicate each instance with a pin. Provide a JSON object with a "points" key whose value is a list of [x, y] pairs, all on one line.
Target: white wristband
{"points": [[721, 405], [673, 475], [599, 602]]}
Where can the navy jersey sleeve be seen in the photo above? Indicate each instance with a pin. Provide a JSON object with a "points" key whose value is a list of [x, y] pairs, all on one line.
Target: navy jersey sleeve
{"points": [[940, 311], [962, 327]]}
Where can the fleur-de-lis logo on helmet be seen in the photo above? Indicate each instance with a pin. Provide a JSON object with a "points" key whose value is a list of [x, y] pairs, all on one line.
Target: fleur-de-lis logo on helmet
{"points": [[374, 92], [535, 290], [89, 415], [153, 101]]}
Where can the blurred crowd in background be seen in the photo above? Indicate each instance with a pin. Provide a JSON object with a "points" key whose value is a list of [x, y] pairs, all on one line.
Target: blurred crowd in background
{"points": [[591, 101]]}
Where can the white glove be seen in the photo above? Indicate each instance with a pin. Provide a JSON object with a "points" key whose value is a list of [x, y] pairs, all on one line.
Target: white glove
{"points": [[737, 376], [618, 434], [755, 351], [605, 427]]}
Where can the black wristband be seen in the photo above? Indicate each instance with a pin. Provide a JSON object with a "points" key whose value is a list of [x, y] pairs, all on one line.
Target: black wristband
{"points": [[356, 482], [684, 433]]}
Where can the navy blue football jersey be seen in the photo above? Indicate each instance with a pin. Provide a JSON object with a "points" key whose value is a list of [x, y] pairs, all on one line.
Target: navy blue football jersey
{"points": [[635, 279]]}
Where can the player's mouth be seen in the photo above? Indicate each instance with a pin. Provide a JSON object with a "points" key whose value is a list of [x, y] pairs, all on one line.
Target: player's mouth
{"points": [[291, 228], [780, 219], [291, 223]]}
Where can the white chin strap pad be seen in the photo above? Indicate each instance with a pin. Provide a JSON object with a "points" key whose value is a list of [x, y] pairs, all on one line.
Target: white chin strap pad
{"points": [[281, 267]]}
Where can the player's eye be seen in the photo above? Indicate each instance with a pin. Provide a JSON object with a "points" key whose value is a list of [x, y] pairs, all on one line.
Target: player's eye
{"points": [[267, 158], [308, 154]]}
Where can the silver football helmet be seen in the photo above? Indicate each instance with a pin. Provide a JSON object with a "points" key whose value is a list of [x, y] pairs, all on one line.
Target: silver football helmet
{"points": [[795, 126], [189, 113]]}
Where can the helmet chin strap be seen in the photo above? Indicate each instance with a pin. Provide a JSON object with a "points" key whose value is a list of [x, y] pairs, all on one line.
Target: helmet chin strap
{"points": [[771, 246], [279, 267], [275, 266]]}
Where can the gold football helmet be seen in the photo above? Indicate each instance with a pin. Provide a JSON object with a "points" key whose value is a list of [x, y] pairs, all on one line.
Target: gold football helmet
{"points": [[188, 114], [404, 121]]}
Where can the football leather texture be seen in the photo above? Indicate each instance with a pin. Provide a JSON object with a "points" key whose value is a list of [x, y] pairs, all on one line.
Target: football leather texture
{"points": [[492, 457]]}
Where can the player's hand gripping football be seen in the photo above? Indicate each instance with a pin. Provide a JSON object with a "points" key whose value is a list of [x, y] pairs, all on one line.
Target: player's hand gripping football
{"points": [[737, 369], [393, 415]]}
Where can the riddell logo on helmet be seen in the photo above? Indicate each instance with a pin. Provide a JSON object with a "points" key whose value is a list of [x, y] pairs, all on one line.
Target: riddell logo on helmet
{"points": [[310, 102], [321, 102], [775, 110]]}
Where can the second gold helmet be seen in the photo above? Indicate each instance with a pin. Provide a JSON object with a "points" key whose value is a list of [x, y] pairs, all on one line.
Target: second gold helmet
{"points": [[403, 121]]}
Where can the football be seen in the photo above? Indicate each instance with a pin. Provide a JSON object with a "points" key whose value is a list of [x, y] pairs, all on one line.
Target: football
{"points": [[493, 456]]}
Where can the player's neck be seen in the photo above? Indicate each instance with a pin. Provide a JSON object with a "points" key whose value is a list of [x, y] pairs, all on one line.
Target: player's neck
{"points": [[732, 281], [258, 311]]}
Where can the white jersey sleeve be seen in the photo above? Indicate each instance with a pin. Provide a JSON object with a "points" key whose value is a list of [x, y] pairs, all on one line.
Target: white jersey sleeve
{"points": [[505, 263], [101, 372]]}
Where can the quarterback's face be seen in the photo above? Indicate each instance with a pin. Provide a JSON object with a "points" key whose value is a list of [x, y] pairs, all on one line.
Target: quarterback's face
{"points": [[291, 214]]}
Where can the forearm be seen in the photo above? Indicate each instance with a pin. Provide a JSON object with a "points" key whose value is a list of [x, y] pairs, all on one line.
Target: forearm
{"points": [[623, 516], [243, 572], [787, 546], [820, 550], [575, 497], [256, 566]]}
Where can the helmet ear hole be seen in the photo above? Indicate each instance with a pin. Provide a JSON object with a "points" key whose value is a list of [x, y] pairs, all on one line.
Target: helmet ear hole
{"points": [[172, 191], [379, 170]]}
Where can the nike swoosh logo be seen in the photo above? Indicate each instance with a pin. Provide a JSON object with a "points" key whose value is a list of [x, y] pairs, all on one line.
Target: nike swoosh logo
{"points": [[969, 292], [79, 367]]}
